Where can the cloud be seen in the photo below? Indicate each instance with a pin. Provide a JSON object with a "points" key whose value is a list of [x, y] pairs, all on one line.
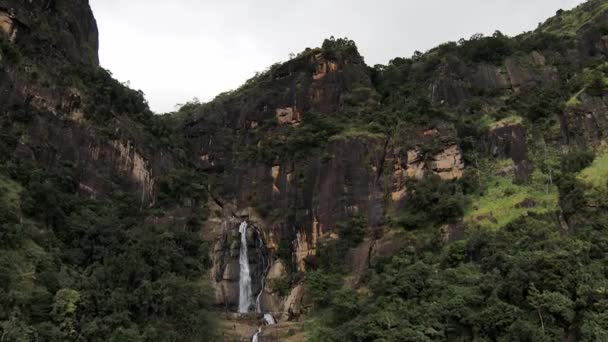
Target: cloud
{"points": [[181, 49]]}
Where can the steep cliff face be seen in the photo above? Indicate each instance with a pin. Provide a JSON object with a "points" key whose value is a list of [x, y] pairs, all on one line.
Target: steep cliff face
{"points": [[98, 180], [316, 153], [48, 80], [63, 28], [244, 138], [305, 147]]}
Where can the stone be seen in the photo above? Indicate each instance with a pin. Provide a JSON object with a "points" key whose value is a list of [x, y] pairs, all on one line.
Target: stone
{"points": [[509, 141], [448, 164], [538, 59], [288, 116], [295, 303], [7, 26], [447, 91], [232, 272], [517, 74], [323, 67], [489, 77], [129, 160], [277, 271]]}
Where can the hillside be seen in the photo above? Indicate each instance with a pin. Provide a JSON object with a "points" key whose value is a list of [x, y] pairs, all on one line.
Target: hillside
{"points": [[455, 195]]}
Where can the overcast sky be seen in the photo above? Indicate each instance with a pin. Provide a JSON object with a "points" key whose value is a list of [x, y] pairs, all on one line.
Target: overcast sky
{"points": [[180, 49]]}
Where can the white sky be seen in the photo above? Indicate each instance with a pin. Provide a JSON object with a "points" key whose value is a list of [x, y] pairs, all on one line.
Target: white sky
{"points": [[180, 49]]}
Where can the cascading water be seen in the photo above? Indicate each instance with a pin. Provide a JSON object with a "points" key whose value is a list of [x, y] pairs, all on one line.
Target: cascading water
{"points": [[245, 276], [258, 307], [267, 317], [245, 295], [255, 337]]}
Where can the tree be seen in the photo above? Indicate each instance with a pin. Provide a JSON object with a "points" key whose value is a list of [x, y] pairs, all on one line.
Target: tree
{"points": [[597, 87], [64, 310]]}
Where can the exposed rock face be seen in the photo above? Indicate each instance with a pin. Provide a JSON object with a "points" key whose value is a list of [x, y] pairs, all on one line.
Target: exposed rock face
{"points": [[226, 270], [289, 116], [132, 163], [60, 130], [449, 92], [297, 302], [7, 25], [78, 45], [518, 75], [510, 141], [585, 125], [454, 82], [490, 77], [448, 163], [323, 67], [270, 300]]}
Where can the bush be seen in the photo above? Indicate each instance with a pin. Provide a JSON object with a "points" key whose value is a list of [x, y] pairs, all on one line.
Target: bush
{"points": [[574, 162], [597, 87], [431, 201], [486, 49]]}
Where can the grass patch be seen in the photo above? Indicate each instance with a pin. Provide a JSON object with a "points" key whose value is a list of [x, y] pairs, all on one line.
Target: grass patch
{"points": [[574, 100], [569, 23], [509, 120], [10, 194], [356, 132], [504, 201], [596, 175]]}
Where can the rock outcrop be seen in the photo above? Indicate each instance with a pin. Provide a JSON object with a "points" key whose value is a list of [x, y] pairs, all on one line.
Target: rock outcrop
{"points": [[225, 258], [8, 26], [289, 116], [586, 124], [509, 141]]}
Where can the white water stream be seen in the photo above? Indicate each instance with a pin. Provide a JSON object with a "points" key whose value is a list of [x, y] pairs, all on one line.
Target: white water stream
{"points": [[245, 276], [245, 295]]}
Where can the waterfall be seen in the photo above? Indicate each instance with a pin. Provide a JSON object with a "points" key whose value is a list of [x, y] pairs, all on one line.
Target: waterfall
{"points": [[245, 294], [269, 319], [245, 276], [256, 336], [258, 307]]}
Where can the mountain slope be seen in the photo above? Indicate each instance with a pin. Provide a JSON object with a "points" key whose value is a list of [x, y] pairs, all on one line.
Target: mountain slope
{"points": [[470, 155], [98, 237], [454, 195]]}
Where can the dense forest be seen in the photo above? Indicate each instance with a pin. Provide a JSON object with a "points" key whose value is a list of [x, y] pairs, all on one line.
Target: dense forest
{"points": [[482, 162]]}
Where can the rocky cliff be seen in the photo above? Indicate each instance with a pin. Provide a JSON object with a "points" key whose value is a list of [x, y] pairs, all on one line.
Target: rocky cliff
{"points": [[297, 147], [49, 80], [337, 166]]}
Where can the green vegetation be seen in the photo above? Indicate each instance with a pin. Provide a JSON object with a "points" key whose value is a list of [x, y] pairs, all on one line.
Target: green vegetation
{"points": [[356, 133], [569, 23], [512, 251], [519, 283], [596, 175], [503, 201], [103, 268], [84, 269], [486, 49], [431, 202]]}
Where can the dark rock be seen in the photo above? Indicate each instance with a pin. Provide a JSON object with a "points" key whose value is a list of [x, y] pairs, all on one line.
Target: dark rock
{"points": [[448, 92], [509, 141], [585, 125], [489, 77]]}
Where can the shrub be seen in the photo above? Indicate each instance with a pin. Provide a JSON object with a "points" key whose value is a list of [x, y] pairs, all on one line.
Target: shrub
{"points": [[576, 161]]}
